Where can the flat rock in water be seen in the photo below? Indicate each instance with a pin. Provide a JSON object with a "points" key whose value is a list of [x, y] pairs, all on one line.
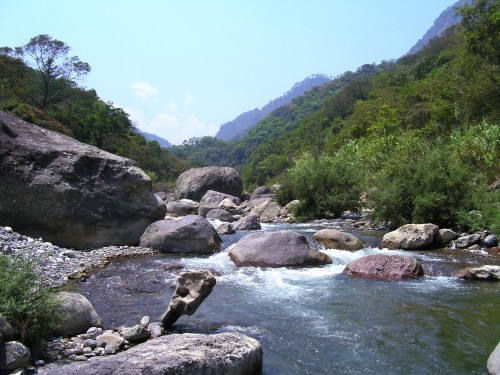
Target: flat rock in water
{"points": [[486, 272], [276, 249], [383, 266], [411, 237], [224, 353], [335, 239]]}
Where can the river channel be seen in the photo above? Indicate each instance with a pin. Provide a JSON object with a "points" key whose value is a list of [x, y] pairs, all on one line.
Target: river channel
{"points": [[317, 320]]}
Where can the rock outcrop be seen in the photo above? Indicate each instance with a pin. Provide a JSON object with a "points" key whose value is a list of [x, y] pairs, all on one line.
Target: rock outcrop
{"points": [[494, 361], [195, 182], [69, 193], [335, 239], [77, 314], [192, 234], [224, 353], [193, 286], [250, 222], [381, 266], [276, 249], [486, 272], [411, 237], [13, 355]]}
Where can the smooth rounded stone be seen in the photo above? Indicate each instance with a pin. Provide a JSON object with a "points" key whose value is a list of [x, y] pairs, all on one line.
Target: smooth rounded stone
{"points": [[383, 266], [39, 363], [145, 321], [135, 334], [90, 343], [192, 234], [195, 182], [335, 239], [276, 249], [109, 338], [486, 272], [289, 206], [467, 241], [110, 349], [215, 198], [225, 228], [188, 353], [493, 363], [77, 315], [13, 355], [183, 207], [490, 241], [79, 196], [155, 329], [445, 236], [228, 204], [411, 237], [220, 214], [250, 222], [6, 331]]}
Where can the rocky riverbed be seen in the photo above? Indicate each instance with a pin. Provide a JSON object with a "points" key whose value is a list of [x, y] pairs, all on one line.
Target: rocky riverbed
{"points": [[59, 265]]}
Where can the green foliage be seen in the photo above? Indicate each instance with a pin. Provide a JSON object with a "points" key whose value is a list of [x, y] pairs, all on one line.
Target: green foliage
{"points": [[25, 302], [326, 186]]}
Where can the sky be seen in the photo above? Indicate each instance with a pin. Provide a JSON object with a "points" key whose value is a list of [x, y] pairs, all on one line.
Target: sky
{"points": [[183, 68]]}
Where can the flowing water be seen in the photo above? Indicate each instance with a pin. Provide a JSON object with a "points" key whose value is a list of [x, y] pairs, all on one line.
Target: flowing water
{"points": [[317, 320]]}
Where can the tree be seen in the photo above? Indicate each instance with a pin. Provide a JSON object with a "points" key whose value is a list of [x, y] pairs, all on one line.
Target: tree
{"points": [[50, 57]]}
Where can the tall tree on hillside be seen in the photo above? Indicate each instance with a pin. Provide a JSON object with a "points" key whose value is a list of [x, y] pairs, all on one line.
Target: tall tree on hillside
{"points": [[51, 58]]}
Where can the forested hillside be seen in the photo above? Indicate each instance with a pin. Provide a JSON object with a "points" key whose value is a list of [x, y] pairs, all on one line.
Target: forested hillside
{"points": [[240, 126], [418, 137], [39, 83]]}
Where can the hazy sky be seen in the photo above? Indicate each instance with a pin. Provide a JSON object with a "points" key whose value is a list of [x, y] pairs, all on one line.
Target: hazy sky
{"points": [[183, 68]]}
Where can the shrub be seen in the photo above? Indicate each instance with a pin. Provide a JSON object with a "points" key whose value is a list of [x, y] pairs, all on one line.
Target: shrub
{"points": [[25, 302]]}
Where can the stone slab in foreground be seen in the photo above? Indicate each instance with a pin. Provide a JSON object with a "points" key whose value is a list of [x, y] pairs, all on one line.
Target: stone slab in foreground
{"points": [[224, 353]]}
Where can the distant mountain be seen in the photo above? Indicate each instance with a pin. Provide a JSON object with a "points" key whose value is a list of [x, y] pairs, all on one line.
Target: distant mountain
{"points": [[240, 126], [446, 19], [153, 137]]}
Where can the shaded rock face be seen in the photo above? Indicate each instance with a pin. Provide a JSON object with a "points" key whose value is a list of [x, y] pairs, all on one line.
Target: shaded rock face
{"points": [[276, 249], [14, 355], [250, 222], [70, 193], [214, 198], [183, 354], [381, 266], [494, 361], [192, 234], [487, 272], [220, 214], [6, 331], [411, 237], [335, 239], [193, 286], [183, 207], [195, 182], [78, 315]]}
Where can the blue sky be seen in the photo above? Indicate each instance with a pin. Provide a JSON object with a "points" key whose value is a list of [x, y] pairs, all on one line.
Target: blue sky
{"points": [[183, 68]]}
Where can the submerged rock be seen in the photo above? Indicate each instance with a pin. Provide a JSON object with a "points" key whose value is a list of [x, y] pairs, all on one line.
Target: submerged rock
{"points": [[192, 234], [195, 182], [193, 286], [69, 193], [335, 239], [411, 237], [276, 249], [383, 266], [223, 353]]}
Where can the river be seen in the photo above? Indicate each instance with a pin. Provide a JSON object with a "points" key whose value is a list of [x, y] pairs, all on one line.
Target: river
{"points": [[317, 320]]}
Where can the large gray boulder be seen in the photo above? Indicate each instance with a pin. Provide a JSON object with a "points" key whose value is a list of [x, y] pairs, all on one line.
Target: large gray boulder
{"points": [[77, 315], [195, 182], [214, 198], [383, 266], [276, 249], [494, 361], [192, 234], [486, 272], [220, 214], [180, 354], [250, 222], [183, 207], [193, 286], [14, 355], [411, 237], [70, 193], [335, 239]]}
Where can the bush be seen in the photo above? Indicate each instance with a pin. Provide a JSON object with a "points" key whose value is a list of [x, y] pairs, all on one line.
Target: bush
{"points": [[26, 303]]}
